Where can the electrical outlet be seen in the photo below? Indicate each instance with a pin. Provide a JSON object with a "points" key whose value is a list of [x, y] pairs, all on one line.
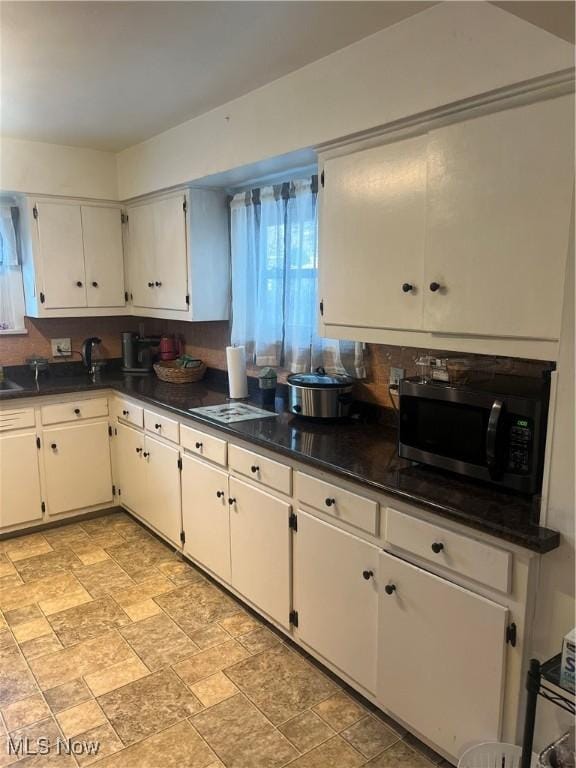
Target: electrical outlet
{"points": [[396, 375], [61, 347]]}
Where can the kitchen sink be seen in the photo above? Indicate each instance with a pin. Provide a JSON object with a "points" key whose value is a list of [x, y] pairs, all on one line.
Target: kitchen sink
{"points": [[8, 386]]}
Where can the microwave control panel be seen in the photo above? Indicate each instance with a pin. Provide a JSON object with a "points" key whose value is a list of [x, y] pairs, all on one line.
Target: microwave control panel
{"points": [[520, 445]]}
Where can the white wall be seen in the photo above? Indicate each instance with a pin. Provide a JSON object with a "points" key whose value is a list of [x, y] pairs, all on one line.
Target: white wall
{"points": [[555, 608], [52, 169], [450, 52]]}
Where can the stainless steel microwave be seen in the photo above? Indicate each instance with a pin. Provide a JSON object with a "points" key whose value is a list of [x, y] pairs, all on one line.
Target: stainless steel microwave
{"points": [[491, 429]]}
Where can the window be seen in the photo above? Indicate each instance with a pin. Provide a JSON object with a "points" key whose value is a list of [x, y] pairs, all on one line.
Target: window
{"points": [[274, 244], [11, 288]]}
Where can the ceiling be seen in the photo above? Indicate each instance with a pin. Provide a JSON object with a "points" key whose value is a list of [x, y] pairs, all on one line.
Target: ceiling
{"points": [[107, 75], [110, 74]]}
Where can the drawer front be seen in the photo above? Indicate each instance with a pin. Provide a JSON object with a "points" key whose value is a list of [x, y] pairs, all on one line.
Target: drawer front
{"points": [[473, 559], [161, 425], [16, 418], [265, 471], [75, 410], [344, 505], [207, 446], [128, 412]]}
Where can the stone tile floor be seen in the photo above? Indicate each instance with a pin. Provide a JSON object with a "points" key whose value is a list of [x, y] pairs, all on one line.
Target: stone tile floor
{"points": [[108, 636]]}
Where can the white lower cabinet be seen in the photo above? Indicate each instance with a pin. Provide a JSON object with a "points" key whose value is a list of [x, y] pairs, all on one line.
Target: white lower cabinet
{"points": [[260, 549], [336, 589], [77, 466], [206, 515], [441, 657], [129, 471], [20, 496], [161, 507]]}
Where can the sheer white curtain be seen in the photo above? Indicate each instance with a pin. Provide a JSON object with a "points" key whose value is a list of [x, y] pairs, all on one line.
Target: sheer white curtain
{"points": [[11, 292], [274, 239]]}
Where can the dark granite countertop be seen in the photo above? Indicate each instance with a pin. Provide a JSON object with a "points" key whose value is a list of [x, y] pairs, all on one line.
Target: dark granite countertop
{"points": [[353, 449]]}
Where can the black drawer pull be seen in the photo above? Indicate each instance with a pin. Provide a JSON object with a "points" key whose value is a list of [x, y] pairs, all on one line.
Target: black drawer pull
{"points": [[157, 426], [157, 284], [77, 411], [254, 469], [390, 589], [125, 413], [407, 287], [330, 502], [220, 494], [79, 283], [150, 285], [94, 284], [435, 287], [53, 446], [146, 454], [437, 547], [367, 575], [138, 450], [231, 501], [198, 446]]}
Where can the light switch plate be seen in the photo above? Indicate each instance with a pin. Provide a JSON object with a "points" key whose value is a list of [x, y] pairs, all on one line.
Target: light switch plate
{"points": [[396, 375], [61, 347]]}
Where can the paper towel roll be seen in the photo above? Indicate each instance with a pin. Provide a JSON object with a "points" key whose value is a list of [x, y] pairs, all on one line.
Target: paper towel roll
{"points": [[237, 379]]}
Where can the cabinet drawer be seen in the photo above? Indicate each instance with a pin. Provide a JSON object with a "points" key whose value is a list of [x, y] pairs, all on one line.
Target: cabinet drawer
{"points": [[204, 445], [128, 412], [468, 557], [161, 425], [16, 418], [265, 471], [346, 506], [75, 410]]}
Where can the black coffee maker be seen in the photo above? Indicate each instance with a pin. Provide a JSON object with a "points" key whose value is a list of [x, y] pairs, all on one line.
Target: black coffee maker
{"points": [[139, 353]]}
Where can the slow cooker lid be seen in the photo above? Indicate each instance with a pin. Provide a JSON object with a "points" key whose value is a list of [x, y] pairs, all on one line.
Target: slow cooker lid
{"points": [[319, 379]]}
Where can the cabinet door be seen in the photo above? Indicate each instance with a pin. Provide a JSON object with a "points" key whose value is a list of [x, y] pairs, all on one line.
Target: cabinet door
{"points": [[104, 257], [336, 595], [129, 468], [61, 254], [77, 464], [372, 236], [171, 259], [499, 202], [260, 549], [441, 657], [206, 515], [20, 499], [162, 503], [141, 255]]}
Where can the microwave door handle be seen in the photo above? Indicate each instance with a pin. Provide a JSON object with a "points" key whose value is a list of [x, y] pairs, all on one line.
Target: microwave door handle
{"points": [[491, 436]]}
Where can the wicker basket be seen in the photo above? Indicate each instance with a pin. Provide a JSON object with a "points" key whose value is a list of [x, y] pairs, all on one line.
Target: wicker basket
{"points": [[168, 370]]}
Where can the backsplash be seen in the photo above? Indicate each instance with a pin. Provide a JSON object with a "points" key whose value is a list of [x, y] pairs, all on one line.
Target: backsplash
{"points": [[208, 341]]}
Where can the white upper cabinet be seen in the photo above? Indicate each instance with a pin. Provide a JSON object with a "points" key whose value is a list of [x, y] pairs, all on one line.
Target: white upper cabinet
{"points": [[61, 255], [499, 201], [73, 261], [103, 256], [372, 236], [178, 256], [454, 239]]}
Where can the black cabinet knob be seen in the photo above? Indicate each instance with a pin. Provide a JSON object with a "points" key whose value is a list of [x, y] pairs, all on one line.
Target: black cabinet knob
{"points": [[53, 446], [220, 494], [138, 450], [330, 502], [125, 413], [146, 454], [435, 287], [150, 285], [254, 469], [157, 426], [94, 284], [367, 575], [231, 501], [437, 547], [157, 284], [407, 287], [198, 446], [390, 589], [77, 411], [79, 283]]}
